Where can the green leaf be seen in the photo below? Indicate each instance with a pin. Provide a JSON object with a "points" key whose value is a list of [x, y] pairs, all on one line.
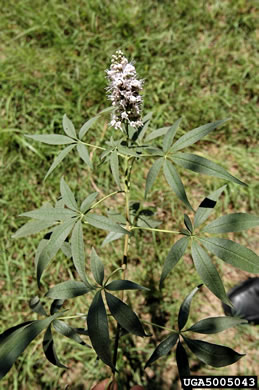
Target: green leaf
{"points": [[182, 361], [200, 164], [66, 330], [68, 289], [232, 223], [87, 203], [68, 127], [117, 285], [206, 207], [50, 214], [56, 305], [16, 342], [195, 135], [98, 330], [67, 195], [163, 348], [124, 315], [8, 332], [152, 174], [169, 137], [101, 222], [213, 354], [83, 153], [36, 306], [51, 139], [111, 237], [60, 157], [97, 267], [84, 129], [146, 121], [185, 308], [215, 324], [232, 253], [157, 133], [114, 163], [32, 227], [78, 252], [188, 223], [60, 233], [175, 182], [66, 249], [174, 255], [208, 272], [49, 349]]}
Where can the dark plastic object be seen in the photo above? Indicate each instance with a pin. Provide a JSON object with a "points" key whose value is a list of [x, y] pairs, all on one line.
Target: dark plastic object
{"points": [[245, 299]]}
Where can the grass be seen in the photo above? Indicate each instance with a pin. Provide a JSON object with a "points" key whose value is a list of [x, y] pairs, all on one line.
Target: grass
{"points": [[198, 60]]}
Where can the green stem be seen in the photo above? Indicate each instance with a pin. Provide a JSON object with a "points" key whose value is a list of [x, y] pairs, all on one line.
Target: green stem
{"points": [[158, 326], [106, 197], [69, 317], [92, 146], [155, 230]]}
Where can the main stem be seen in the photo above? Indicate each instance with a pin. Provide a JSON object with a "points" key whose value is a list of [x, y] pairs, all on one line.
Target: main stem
{"points": [[128, 168]]}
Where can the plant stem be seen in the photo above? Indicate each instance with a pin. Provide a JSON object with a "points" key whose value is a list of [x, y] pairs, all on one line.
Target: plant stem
{"points": [[92, 146], [158, 326], [69, 317], [156, 230], [105, 197]]}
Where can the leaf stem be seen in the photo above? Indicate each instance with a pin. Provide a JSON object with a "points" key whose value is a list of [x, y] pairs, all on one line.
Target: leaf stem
{"points": [[105, 197], [92, 146], [158, 326], [70, 317], [156, 230]]}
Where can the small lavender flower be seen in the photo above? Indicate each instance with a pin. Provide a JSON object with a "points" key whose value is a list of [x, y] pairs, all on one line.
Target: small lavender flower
{"points": [[124, 92]]}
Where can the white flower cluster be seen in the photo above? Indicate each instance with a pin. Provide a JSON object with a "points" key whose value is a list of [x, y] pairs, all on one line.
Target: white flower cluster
{"points": [[124, 92]]}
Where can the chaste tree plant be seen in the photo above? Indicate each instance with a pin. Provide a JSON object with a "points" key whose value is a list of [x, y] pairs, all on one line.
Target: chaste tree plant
{"points": [[66, 224]]}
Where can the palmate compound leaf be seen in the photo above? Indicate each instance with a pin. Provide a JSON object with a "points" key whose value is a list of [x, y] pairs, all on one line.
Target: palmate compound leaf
{"points": [[78, 252], [192, 136], [104, 223], [60, 157], [236, 222], [97, 267], [174, 255], [60, 233], [68, 289], [51, 139], [118, 285], [68, 127], [124, 315], [98, 330], [200, 164], [50, 214], [84, 129], [215, 324], [163, 348], [114, 164], [152, 174], [213, 354], [185, 308], [232, 253], [32, 227], [112, 236], [206, 207], [83, 153], [182, 361], [12, 346], [169, 136], [157, 133], [66, 330], [88, 201], [67, 195], [36, 306], [208, 272], [49, 349], [175, 182]]}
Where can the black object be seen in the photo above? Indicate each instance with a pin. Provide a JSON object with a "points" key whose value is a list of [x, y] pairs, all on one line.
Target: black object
{"points": [[245, 299]]}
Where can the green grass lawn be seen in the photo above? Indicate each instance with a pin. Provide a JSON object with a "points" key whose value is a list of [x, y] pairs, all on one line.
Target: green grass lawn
{"points": [[198, 60]]}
